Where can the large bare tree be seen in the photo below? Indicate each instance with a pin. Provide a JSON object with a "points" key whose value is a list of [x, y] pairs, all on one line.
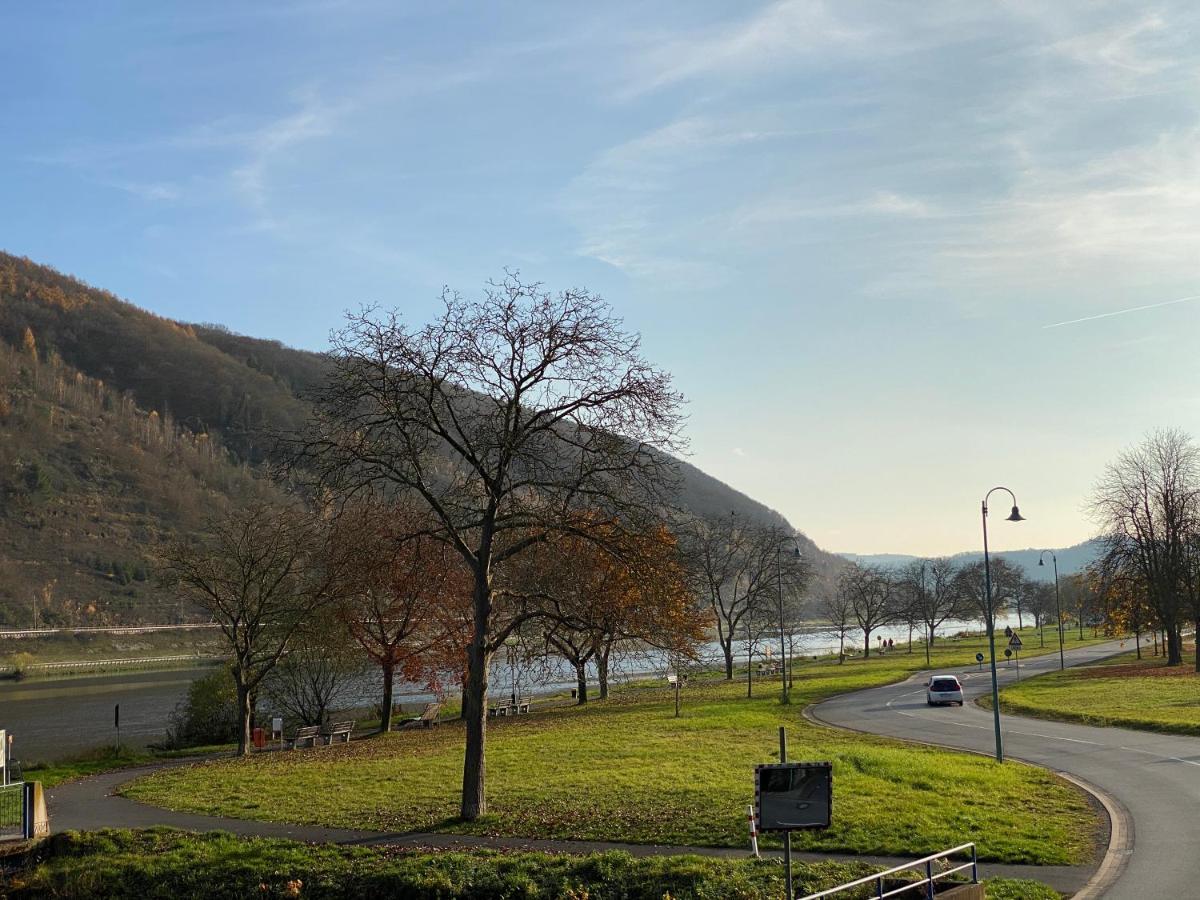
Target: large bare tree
{"points": [[932, 596], [870, 592], [1147, 505], [262, 575], [512, 418]]}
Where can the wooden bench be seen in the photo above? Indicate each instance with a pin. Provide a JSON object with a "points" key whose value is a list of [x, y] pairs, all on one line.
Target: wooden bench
{"points": [[305, 734], [426, 719], [337, 730], [501, 709]]}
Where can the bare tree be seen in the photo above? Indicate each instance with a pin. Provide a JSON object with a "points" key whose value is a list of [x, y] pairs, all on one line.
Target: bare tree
{"points": [[262, 574], [513, 418], [837, 609], [970, 587], [933, 595], [315, 675], [870, 593], [733, 569], [1147, 504]]}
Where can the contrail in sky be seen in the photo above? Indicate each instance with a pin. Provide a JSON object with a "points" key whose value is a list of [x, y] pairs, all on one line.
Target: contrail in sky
{"points": [[1121, 312]]}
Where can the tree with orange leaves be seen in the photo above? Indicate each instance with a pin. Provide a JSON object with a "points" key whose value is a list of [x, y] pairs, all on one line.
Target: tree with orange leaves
{"points": [[401, 588], [626, 589]]}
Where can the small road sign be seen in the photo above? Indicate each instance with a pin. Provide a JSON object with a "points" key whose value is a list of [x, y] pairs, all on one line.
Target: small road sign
{"points": [[1008, 651], [1015, 642], [978, 657]]}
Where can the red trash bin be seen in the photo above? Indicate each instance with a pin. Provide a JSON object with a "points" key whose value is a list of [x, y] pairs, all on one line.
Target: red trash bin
{"points": [[259, 739]]}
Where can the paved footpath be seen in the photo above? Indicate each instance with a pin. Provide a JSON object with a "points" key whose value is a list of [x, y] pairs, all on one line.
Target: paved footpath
{"points": [[1152, 781], [92, 803]]}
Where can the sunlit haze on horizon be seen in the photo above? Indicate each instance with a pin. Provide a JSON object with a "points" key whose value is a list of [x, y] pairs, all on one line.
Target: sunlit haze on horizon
{"points": [[894, 254]]}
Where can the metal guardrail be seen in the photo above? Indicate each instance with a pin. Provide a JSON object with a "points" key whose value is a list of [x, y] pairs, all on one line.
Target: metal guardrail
{"points": [[928, 882], [97, 663], [103, 629]]}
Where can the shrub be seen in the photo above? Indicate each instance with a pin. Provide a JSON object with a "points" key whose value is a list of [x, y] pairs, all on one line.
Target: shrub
{"points": [[208, 715]]}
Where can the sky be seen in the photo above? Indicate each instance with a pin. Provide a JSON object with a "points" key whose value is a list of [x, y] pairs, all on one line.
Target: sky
{"points": [[894, 253]]}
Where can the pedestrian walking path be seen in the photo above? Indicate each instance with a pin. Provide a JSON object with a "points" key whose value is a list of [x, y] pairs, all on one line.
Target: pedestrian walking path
{"points": [[93, 803]]}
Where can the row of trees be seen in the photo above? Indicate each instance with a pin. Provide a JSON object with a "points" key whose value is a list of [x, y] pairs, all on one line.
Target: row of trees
{"points": [[927, 593]]}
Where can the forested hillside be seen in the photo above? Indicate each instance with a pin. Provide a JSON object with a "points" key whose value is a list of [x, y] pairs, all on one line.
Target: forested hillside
{"points": [[91, 488], [112, 406]]}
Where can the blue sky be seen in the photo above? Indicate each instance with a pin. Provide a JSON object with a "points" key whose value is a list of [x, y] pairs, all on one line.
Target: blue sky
{"points": [[847, 228]]}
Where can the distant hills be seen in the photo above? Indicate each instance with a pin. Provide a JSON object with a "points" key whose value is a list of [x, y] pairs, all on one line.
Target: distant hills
{"points": [[114, 467], [1070, 559]]}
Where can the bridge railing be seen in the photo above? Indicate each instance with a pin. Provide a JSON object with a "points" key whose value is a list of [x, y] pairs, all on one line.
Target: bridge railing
{"points": [[926, 885]]}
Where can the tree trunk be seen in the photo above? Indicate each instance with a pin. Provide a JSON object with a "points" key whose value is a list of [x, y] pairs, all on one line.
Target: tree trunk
{"points": [[1174, 652], [929, 645], [602, 671], [1196, 642], [385, 718], [841, 647], [244, 719], [474, 800], [581, 683], [1137, 642], [867, 643], [727, 649]]}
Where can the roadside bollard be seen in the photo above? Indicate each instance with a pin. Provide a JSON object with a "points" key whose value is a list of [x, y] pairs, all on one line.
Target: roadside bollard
{"points": [[753, 831]]}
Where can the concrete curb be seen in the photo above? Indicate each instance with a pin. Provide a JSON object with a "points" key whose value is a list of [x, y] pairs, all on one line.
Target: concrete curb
{"points": [[1120, 841]]}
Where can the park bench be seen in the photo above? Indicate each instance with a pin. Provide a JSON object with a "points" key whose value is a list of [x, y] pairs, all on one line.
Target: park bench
{"points": [[305, 735], [508, 708], [426, 719], [338, 730], [770, 669]]}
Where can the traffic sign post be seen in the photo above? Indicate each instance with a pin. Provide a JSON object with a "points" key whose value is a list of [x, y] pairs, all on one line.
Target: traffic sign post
{"points": [[1014, 647], [792, 797]]}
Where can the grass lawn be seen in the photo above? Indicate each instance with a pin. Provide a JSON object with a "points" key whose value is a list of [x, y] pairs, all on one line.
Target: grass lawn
{"points": [[106, 759], [1122, 691], [161, 863], [627, 770]]}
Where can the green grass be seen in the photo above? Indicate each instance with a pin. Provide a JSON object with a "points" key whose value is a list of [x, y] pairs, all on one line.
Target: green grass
{"points": [[108, 759], [160, 863], [627, 770], [1121, 691]]}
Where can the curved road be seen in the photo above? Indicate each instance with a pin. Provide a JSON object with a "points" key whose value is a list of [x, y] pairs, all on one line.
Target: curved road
{"points": [[1154, 778]]}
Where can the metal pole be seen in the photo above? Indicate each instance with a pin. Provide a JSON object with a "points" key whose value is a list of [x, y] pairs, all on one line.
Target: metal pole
{"points": [[1062, 662], [991, 631], [749, 660], [787, 835], [782, 639]]}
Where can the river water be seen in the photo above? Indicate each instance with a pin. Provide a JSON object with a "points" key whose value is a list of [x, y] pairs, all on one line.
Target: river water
{"points": [[54, 719]]}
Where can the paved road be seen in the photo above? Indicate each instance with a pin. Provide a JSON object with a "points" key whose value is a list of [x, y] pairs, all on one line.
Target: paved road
{"points": [[1154, 779]]}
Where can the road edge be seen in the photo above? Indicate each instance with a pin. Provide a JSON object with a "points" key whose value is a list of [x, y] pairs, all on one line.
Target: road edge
{"points": [[1120, 840], [1120, 824]]}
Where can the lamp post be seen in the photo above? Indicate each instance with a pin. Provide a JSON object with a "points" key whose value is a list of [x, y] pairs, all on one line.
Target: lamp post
{"points": [[1014, 516], [1062, 664], [784, 660]]}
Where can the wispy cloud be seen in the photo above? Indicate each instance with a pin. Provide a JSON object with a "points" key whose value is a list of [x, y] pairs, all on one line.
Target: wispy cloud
{"points": [[776, 35]]}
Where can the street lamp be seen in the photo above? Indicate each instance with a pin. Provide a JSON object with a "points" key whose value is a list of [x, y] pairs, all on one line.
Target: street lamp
{"points": [[784, 659], [1062, 665], [1014, 516]]}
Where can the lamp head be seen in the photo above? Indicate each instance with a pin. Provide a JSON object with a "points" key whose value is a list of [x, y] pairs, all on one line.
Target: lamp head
{"points": [[1015, 515]]}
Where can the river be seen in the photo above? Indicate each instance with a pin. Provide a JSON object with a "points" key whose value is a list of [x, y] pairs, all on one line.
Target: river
{"points": [[55, 719]]}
